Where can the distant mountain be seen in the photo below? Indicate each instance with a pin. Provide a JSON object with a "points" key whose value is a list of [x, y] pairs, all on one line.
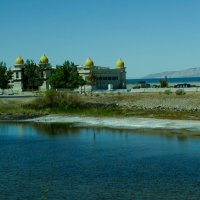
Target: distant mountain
{"points": [[192, 72]]}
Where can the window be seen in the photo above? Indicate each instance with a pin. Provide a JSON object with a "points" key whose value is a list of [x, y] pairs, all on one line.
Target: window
{"points": [[114, 77], [42, 74], [17, 74]]}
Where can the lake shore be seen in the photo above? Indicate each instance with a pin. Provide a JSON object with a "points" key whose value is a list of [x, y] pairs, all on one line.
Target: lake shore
{"points": [[145, 105], [120, 123]]}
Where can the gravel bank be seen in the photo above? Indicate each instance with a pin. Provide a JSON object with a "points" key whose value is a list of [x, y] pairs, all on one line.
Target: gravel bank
{"points": [[189, 102]]}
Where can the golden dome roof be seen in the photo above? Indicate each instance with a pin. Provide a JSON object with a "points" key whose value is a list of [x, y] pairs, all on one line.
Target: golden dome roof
{"points": [[19, 61], [44, 60], [120, 63], [89, 62]]}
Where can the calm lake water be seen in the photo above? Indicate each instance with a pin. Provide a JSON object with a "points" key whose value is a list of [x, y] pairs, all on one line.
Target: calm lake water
{"points": [[54, 161], [170, 80]]}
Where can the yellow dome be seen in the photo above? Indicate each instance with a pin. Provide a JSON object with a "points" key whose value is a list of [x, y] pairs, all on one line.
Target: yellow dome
{"points": [[44, 60], [89, 62], [120, 63], [19, 61]]}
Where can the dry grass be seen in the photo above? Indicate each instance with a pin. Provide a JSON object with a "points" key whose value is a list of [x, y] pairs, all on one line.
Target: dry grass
{"points": [[74, 104], [14, 101], [148, 104], [147, 97]]}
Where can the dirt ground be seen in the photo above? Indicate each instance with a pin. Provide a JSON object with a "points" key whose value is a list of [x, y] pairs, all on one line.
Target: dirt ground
{"points": [[189, 101]]}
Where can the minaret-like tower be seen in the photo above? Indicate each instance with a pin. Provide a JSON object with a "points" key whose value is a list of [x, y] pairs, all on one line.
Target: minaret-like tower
{"points": [[87, 68], [18, 74], [121, 66], [45, 71]]}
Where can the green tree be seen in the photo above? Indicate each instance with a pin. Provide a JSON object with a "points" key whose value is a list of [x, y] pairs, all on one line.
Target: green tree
{"points": [[66, 76], [91, 78], [5, 76], [163, 83], [32, 75]]}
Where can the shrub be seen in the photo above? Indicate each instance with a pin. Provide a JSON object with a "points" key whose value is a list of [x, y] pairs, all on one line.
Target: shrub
{"points": [[55, 99], [167, 92], [163, 83], [180, 92]]}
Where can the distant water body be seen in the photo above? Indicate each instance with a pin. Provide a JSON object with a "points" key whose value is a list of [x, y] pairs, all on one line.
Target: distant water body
{"points": [[170, 80]]}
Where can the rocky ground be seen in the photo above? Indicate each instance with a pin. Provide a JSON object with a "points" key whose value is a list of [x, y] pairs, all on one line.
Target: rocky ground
{"points": [[189, 102]]}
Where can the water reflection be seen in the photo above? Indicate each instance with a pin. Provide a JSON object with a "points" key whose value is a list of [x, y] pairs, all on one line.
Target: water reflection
{"points": [[67, 129], [54, 129], [181, 135], [21, 129]]}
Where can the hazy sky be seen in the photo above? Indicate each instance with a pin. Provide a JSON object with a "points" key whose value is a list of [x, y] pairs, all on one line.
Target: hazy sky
{"points": [[149, 35]]}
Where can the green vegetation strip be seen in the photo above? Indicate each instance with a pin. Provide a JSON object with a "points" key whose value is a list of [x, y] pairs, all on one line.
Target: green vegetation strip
{"points": [[102, 105]]}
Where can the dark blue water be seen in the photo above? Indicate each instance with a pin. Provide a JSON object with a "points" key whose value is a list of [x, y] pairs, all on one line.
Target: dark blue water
{"points": [[58, 162], [170, 80]]}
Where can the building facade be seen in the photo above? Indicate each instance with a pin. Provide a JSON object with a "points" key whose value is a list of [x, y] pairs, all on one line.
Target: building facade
{"points": [[104, 77], [20, 82]]}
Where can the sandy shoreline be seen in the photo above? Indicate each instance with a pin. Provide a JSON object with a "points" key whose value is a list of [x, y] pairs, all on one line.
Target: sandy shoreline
{"points": [[121, 123]]}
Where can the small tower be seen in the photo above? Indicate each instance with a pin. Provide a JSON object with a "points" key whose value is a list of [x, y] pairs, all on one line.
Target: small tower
{"points": [[121, 66], [18, 74], [45, 71]]}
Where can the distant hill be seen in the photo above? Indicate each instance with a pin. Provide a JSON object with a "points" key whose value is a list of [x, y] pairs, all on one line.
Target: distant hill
{"points": [[192, 72]]}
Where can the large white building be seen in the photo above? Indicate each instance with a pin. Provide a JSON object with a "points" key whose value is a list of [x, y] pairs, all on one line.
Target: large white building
{"points": [[104, 76]]}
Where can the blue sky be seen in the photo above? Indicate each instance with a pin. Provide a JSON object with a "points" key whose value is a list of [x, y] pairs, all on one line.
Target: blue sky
{"points": [[149, 35]]}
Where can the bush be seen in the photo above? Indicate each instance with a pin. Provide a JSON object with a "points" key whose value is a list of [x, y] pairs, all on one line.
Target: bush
{"points": [[55, 99], [167, 92], [180, 92], [163, 83]]}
